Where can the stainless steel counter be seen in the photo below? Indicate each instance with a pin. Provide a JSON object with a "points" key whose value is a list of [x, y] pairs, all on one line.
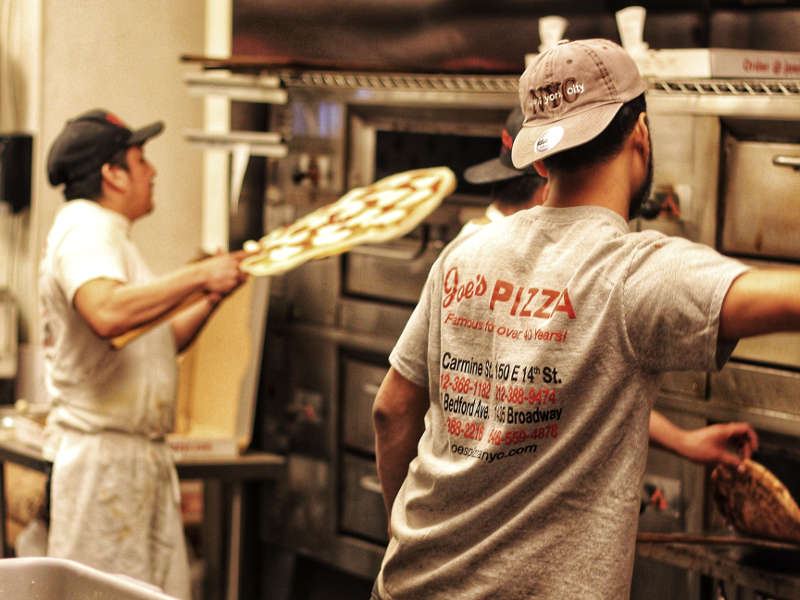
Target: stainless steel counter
{"points": [[768, 571]]}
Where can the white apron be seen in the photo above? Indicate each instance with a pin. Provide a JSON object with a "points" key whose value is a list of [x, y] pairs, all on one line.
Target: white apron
{"points": [[116, 507]]}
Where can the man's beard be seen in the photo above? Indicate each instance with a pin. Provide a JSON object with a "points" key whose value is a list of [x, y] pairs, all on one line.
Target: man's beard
{"points": [[643, 193]]}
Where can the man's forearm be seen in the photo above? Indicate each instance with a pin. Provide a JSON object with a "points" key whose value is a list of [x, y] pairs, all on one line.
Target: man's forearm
{"points": [[188, 323], [761, 301], [729, 443], [665, 434], [398, 417], [112, 308], [395, 448]]}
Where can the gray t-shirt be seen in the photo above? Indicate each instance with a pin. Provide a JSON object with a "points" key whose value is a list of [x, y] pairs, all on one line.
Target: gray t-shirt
{"points": [[539, 339]]}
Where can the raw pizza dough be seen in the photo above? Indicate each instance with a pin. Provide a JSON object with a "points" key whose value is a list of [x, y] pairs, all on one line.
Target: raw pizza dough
{"points": [[386, 209], [756, 502]]}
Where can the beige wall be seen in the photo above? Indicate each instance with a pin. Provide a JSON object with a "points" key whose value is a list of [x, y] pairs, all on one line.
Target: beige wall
{"points": [[123, 55]]}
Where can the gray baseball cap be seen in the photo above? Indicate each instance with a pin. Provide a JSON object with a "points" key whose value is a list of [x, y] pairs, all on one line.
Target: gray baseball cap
{"points": [[569, 94]]}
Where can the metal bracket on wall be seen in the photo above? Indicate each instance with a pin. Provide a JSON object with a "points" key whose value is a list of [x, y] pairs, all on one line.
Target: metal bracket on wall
{"points": [[241, 145], [259, 87]]}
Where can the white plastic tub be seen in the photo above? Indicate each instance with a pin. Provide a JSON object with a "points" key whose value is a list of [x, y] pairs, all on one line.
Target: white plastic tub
{"points": [[59, 579]]}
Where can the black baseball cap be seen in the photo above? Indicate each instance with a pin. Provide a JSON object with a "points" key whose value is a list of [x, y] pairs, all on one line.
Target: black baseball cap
{"points": [[89, 141], [500, 168]]}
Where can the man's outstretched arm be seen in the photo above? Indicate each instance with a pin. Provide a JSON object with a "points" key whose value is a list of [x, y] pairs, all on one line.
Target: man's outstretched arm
{"points": [[761, 301], [728, 443]]}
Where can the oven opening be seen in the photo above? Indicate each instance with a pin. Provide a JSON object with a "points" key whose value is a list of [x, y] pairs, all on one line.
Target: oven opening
{"points": [[395, 272], [392, 273], [397, 151]]}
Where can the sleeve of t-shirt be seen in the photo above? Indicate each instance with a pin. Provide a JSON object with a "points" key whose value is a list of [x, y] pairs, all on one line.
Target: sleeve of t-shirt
{"points": [[410, 354], [673, 296], [86, 253]]}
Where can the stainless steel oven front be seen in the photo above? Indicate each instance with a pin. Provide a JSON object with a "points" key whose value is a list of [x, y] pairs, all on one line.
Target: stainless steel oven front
{"points": [[726, 156], [334, 321]]}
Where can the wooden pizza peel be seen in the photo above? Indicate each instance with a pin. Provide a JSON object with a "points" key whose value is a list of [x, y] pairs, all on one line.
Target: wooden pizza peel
{"points": [[445, 184]]}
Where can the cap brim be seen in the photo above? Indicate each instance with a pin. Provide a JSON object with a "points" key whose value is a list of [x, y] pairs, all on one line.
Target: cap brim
{"points": [[490, 171], [537, 142], [140, 136]]}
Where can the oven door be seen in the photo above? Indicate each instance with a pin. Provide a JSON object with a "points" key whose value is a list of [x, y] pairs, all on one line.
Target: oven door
{"points": [[761, 218], [762, 208], [386, 140]]}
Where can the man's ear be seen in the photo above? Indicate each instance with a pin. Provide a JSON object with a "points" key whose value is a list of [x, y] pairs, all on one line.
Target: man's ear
{"points": [[642, 133], [540, 168], [115, 176]]}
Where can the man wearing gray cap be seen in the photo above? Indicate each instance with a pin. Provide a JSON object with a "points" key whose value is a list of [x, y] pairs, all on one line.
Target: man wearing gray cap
{"points": [[515, 189], [512, 426], [114, 490]]}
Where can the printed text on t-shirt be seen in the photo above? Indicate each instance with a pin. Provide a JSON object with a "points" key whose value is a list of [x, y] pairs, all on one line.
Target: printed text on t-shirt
{"points": [[498, 403], [519, 300]]}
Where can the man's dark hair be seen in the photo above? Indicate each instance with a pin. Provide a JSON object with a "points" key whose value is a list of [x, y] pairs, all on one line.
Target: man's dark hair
{"points": [[90, 187], [517, 190], [605, 146]]}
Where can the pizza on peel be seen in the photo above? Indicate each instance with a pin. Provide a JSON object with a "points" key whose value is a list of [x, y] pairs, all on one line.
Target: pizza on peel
{"points": [[384, 210], [755, 501]]}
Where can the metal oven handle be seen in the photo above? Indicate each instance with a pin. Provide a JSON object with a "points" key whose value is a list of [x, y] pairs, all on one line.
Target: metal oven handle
{"points": [[787, 161], [405, 254], [371, 483]]}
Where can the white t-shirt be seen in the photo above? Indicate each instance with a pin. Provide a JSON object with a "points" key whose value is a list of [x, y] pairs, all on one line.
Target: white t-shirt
{"points": [[539, 339], [491, 215], [94, 387]]}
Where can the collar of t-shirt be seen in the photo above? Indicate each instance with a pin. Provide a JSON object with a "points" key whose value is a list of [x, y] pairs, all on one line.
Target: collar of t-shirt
{"points": [[116, 219]]}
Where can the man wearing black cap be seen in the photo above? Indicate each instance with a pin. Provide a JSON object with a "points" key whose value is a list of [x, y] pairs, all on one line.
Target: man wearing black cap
{"points": [[512, 427], [114, 493], [512, 189]]}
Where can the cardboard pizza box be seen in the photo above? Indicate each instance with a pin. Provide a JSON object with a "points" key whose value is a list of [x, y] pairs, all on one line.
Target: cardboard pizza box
{"points": [[714, 63], [218, 377], [719, 63]]}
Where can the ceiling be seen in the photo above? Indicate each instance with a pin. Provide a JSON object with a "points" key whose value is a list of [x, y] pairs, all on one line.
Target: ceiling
{"points": [[471, 36]]}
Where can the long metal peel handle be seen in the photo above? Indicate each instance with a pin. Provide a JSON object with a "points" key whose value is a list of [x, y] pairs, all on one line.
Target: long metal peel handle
{"points": [[787, 161], [385, 251]]}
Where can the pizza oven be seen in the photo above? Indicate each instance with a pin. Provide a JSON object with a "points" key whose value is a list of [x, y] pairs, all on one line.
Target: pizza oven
{"points": [[333, 322], [726, 155]]}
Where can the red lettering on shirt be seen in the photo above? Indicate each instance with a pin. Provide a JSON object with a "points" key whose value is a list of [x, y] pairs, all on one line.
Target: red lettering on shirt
{"points": [[522, 301]]}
